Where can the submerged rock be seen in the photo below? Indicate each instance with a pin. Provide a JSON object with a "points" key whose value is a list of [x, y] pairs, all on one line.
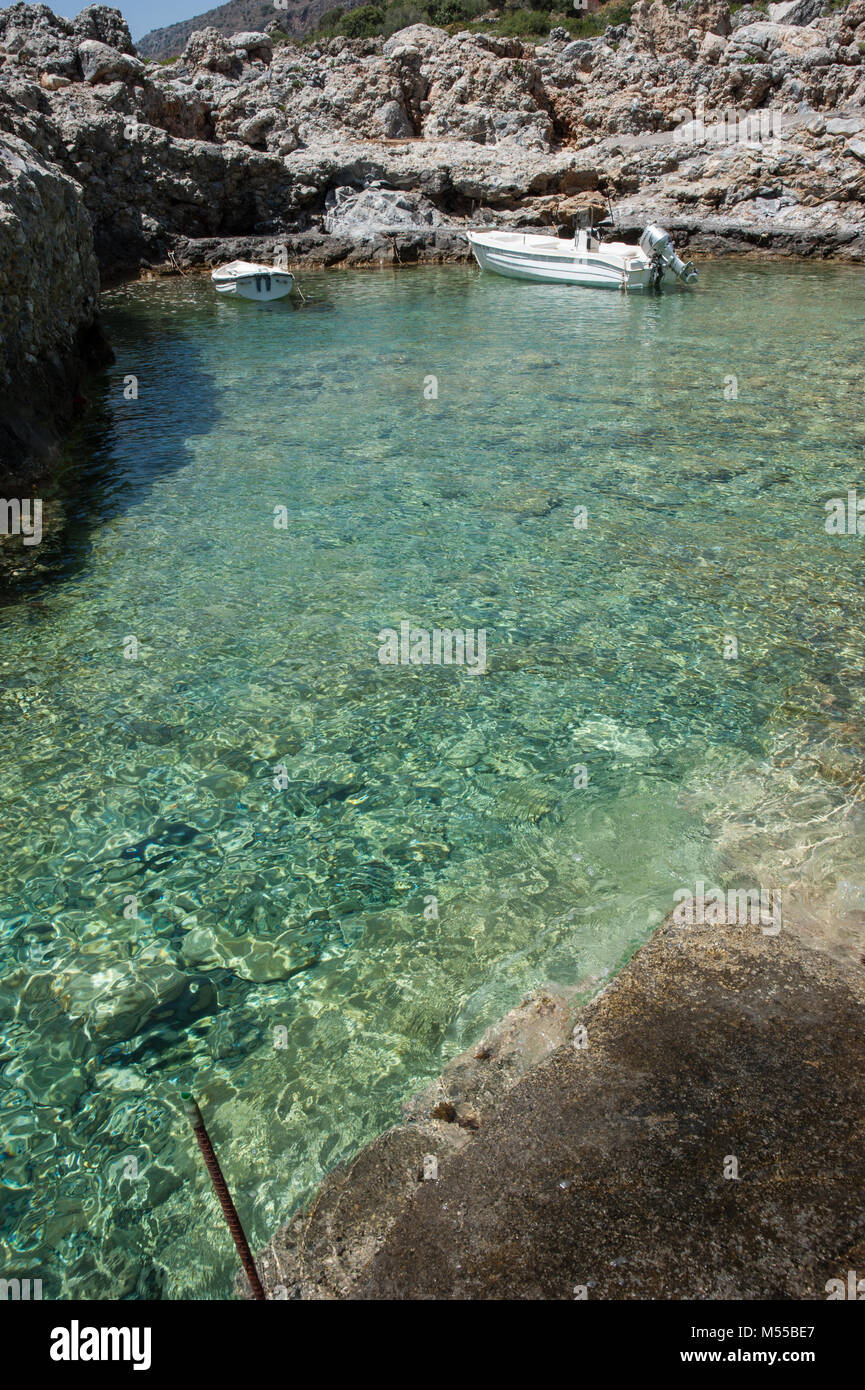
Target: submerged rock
{"points": [[117, 999], [546, 1137], [250, 957]]}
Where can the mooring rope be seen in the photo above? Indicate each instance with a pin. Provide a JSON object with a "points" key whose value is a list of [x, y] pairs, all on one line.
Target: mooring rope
{"points": [[220, 1187]]}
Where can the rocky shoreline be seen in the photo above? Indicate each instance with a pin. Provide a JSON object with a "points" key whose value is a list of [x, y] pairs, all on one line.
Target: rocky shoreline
{"points": [[692, 1133], [374, 151]]}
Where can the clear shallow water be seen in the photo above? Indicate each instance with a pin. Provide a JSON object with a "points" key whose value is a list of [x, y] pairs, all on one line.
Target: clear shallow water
{"points": [[147, 785]]}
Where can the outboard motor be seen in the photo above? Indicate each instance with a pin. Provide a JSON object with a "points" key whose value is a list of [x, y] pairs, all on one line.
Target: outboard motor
{"points": [[658, 246]]}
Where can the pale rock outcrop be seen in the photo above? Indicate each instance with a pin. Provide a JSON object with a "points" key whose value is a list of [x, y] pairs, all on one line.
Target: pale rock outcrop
{"points": [[208, 49], [102, 63], [712, 47], [254, 44], [48, 41], [423, 38], [393, 122], [796, 11], [371, 211], [757, 40], [106, 25]]}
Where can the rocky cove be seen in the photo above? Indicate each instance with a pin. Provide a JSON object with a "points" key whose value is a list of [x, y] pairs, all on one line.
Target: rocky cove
{"points": [[243, 854], [371, 151]]}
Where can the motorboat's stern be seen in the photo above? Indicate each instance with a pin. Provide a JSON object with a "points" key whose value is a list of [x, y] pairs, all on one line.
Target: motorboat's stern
{"points": [[583, 260], [657, 245]]}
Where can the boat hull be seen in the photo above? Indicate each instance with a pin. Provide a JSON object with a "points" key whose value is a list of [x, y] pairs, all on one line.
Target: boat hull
{"points": [[525, 258], [261, 286]]}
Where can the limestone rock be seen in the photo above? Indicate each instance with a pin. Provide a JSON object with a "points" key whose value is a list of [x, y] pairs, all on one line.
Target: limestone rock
{"points": [[713, 46], [749, 14], [581, 52], [49, 284], [208, 49], [425, 38], [366, 212], [106, 25], [102, 63], [254, 44], [845, 125], [758, 40], [39, 37], [796, 11], [393, 121]]}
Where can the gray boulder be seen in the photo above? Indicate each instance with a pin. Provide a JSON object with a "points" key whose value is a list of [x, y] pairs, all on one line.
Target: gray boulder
{"points": [[207, 48], [102, 63], [758, 40], [253, 132], [747, 15], [426, 38], [254, 44], [393, 121], [367, 212], [796, 11], [106, 25], [581, 52]]}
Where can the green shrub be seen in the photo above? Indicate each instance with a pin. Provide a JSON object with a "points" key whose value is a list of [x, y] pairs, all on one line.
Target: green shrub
{"points": [[447, 12], [521, 24], [329, 22], [525, 19], [363, 23], [617, 12], [591, 25], [400, 16]]}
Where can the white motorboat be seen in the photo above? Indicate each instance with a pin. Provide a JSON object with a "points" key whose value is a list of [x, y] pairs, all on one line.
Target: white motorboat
{"points": [[583, 260], [252, 281]]}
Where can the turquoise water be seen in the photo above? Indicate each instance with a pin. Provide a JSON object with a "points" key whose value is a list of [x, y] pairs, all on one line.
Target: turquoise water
{"points": [[240, 828]]}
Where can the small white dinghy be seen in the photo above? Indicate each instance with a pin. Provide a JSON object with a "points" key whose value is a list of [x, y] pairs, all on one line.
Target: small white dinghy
{"points": [[252, 281], [583, 260]]}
